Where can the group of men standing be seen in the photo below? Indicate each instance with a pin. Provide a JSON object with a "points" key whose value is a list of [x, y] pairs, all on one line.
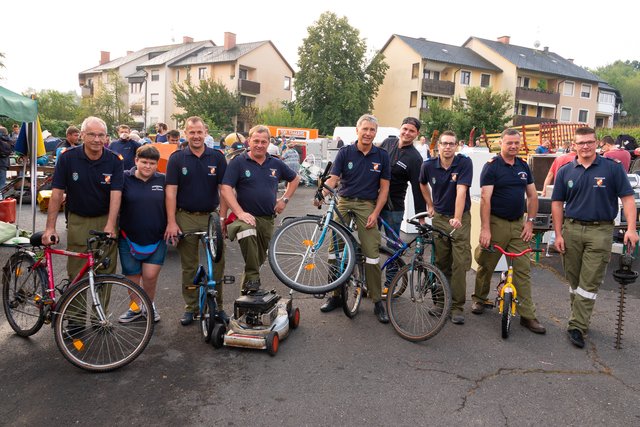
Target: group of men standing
{"points": [[199, 181]]}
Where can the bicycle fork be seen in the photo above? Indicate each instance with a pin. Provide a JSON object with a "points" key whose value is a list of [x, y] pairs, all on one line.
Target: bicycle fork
{"points": [[506, 286]]}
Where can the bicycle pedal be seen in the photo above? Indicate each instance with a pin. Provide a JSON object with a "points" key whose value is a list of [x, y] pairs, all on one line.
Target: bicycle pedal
{"points": [[227, 280]]}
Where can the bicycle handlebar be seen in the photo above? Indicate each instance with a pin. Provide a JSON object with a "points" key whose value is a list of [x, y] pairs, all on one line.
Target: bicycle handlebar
{"points": [[427, 227], [321, 183], [511, 254]]}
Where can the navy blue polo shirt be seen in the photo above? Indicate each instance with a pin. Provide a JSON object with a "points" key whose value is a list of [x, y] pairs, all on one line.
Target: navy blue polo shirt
{"points": [[591, 194], [444, 182], [143, 215], [128, 151], [360, 175], [88, 183], [509, 186], [197, 178], [257, 184]]}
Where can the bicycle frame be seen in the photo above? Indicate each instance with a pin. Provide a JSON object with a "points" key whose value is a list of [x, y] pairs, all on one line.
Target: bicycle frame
{"points": [[509, 286]]}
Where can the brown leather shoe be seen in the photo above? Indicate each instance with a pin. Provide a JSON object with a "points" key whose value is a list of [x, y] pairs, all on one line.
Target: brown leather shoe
{"points": [[533, 325], [477, 307]]}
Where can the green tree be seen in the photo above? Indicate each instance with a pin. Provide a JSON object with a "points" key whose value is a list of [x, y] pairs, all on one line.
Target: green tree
{"points": [[336, 83], [108, 103], [210, 100], [54, 105], [437, 118], [483, 109], [287, 114], [624, 76]]}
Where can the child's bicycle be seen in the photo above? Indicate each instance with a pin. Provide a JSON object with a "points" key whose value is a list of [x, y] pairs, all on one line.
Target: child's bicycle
{"points": [[84, 312], [507, 294], [212, 321]]}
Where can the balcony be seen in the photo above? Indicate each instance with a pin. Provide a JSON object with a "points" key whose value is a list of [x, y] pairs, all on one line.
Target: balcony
{"points": [[531, 120], [440, 87], [249, 87], [537, 96]]}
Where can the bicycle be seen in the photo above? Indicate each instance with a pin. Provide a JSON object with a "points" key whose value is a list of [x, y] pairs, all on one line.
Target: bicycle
{"points": [[507, 298], [84, 311], [419, 297], [212, 322]]}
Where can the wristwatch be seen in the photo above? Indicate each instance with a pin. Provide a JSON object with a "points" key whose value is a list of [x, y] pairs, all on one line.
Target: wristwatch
{"points": [[285, 200], [531, 219]]}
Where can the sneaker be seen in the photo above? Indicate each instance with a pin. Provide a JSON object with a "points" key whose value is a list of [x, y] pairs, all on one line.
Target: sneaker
{"points": [[130, 316], [477, 307], [251, 286], [457, 319], [187, 318], [576, 338], [156, 314]]}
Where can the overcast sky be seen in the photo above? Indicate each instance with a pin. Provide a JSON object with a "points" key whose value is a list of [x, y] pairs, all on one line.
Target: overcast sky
{"points": [[46, 43]]}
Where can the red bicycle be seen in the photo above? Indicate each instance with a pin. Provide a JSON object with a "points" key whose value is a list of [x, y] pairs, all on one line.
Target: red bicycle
{"points": [[84, 312]]}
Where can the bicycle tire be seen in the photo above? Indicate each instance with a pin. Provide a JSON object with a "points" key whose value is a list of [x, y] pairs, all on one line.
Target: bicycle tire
{"points": [[214, 235], [421, 311], [298, 265], [207, 320], [506, 314], [390, 270], [102, 347], [22, 289], [352, 291]]}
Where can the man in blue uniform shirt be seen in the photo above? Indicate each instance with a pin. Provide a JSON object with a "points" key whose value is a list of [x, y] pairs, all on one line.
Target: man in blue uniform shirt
{"points": [[125, 146], [193, 177], [363, 172], [92, 177], [504, 182], [590, 185], [449, 177], [254, 175]]}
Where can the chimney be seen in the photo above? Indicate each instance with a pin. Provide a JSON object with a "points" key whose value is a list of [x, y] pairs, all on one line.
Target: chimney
{"points": [[504, 39], [570, 60], [546, 49], [229, 41], [187, 39], [104, 57]]}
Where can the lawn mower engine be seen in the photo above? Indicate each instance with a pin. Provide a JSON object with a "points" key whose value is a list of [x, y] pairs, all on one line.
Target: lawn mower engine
{"points": [[257, 308]]}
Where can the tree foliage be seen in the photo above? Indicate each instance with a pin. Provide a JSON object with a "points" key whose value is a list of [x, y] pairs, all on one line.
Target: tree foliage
{"points": [[210, 100], [624, 76], [483, 109], [286, 114], [55, 105], [108, 103], [437, 118], [336, 83]]}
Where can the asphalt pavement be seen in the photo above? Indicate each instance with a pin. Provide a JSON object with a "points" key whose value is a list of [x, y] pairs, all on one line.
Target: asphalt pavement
{"points": [[337, 371]]}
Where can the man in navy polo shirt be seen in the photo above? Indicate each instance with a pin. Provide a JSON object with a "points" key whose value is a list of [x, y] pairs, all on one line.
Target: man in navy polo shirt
{"points": [[504, 181], [125, 146], [363, 172], [193, 177], [590, 185], [92, 177], [450, 177], [255, 176]]}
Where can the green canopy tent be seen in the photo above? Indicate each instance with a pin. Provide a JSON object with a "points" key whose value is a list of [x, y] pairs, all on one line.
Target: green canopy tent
{"points": [[23, 109]]}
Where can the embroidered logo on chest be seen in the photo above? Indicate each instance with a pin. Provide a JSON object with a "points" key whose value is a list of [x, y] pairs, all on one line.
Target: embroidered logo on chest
{"points": [[350, 165], [599, 182], [522, 175], [454, 177]]}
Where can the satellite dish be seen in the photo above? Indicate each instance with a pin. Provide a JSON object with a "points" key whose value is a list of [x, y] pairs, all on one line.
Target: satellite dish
{"points": [[536, 44]]}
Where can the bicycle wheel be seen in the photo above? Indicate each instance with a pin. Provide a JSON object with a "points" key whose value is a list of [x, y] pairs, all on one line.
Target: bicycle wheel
{"points": [[421, 310], [390, 270], [207, 321], [352, 291], [310, 259], [23, 289], [101, 346], [214, 234], [506, 314]]}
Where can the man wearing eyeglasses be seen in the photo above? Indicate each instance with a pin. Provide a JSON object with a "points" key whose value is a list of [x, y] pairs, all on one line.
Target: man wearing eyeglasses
{"points": [[92, 177], [590, 185], [449, 177], [504, 182]]}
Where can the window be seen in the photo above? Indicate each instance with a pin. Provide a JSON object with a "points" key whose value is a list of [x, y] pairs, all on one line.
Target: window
{"points": [[155, 99], [568, 89], [425, 103], [565, 114], [155, 75], [465, 77], [429, 74], [243, 74], [585, 92], [606, 98], [178, 75], [599, 122], [583, 116], [523, 82], [287, 83], [413, 102], [523, 109], [135, 87], [246, 101], [485, 80], [202, 73], [539, 112], [415, 69]]}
